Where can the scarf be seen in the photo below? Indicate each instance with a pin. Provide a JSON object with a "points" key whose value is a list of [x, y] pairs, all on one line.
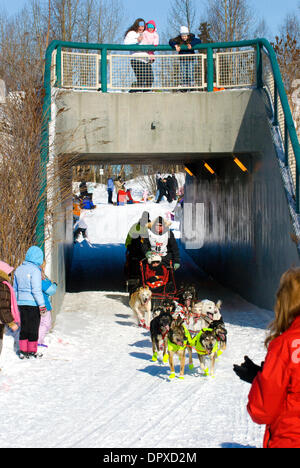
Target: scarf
{"points": [[13, 303]]}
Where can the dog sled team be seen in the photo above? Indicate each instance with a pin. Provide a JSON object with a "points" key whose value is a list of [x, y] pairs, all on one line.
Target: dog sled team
{"points": [[176, 328], [177, 320]]}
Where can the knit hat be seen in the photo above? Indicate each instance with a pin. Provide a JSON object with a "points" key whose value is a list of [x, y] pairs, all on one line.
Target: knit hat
{"points": [[6, 268], [184, 30], [154, 258]]}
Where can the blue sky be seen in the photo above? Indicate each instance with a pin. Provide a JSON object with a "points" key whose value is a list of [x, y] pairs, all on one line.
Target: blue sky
{"points": [[273, 11]]}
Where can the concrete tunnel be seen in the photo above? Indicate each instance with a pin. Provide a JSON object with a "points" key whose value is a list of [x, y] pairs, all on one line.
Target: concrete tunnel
{"points": [[238, 221]]}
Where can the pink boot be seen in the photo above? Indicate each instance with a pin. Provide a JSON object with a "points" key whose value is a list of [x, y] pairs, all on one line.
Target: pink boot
{"points": [[23, 344], [32, 346]]}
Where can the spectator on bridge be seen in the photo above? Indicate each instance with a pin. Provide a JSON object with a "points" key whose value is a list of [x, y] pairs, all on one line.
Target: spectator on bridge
{"points": [[186, 62], [110, 189], [30, 300], [140, 62], [274, 396], [150, 37], [9, 312]]}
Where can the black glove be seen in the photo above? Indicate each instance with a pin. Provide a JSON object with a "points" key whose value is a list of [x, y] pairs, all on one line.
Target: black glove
{"points": [[247, 370]]}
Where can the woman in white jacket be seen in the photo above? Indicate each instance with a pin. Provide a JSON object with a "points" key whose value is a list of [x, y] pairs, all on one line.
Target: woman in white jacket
{"points": [[140, 62]]}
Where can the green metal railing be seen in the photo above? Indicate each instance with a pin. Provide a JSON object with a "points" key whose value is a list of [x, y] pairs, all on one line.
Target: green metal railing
{"points": [[289, 136]]}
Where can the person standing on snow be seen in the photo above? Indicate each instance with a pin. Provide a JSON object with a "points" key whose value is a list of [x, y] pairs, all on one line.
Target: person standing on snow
{"points": [[80, 228], [133, 244], [30, 300], [274, 396], [110, 189], [49, 289], [9, 312], [162, 189]]}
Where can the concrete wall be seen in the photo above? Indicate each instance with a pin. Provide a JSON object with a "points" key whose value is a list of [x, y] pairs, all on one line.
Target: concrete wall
{"points": [[145, 126]]}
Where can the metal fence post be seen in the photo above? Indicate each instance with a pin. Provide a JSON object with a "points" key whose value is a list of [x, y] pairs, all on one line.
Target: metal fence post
{"points": [[259, 68], [104, 70], [210, 69]]}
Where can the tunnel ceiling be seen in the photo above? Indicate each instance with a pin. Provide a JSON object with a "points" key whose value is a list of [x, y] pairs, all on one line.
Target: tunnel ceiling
{"points": [[139, 158]]}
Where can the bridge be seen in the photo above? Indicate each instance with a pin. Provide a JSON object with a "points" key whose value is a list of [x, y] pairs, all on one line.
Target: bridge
{"points": [[234, 134]]}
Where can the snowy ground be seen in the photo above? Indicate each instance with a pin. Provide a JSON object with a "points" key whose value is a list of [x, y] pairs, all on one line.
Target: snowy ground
{"points": [[96, 385]]}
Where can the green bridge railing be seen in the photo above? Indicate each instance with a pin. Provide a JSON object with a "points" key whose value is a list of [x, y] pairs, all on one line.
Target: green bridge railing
{"points": [[265, 61]]}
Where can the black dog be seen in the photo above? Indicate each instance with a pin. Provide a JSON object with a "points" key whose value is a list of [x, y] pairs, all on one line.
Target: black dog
{"points": [[169, 306], [159, 328], [187, 296]]}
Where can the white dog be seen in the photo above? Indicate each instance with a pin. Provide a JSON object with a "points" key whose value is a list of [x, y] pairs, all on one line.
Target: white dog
{"points": [[140, 303], [202, 314]]}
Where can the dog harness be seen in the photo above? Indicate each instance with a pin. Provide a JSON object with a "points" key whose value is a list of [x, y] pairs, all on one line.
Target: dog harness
{"points": [[195, 342], [174, 347]]}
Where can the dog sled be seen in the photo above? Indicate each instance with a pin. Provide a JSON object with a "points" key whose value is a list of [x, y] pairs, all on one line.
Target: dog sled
{"points": [[162, 289]]}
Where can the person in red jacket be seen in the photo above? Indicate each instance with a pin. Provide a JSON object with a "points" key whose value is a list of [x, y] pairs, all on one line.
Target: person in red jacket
{"points": [[274, 398], [156, 274]]}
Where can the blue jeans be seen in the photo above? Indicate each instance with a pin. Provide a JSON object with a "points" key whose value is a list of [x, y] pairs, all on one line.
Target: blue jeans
{"points": [[15, 335], [186, 71]]}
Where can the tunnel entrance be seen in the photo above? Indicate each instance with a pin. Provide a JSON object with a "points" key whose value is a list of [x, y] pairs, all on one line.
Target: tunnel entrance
{"points": [[98, 256]]}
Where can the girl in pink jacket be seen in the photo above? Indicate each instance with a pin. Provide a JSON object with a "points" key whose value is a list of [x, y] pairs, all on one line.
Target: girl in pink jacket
{"points": [[150, 36]]}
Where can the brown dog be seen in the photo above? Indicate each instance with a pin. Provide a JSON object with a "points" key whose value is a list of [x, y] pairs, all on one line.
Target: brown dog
{"points": [[140, 303], [206, 345]]}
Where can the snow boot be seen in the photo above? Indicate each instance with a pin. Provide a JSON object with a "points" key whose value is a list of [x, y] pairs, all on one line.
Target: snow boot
{"points": [[23, 355], [35, 355], [165, 358]]}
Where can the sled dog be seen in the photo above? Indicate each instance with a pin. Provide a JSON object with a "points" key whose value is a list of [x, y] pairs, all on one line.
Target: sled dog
{"points": [[159, 328], [206, 345], [177, 341], [218, 327], [203, 313], [140, 303]]}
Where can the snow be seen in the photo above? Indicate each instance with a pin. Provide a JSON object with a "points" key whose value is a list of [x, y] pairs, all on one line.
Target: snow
{"points": [[96, 385]]}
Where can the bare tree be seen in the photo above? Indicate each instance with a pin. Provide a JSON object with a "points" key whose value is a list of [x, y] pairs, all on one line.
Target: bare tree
{"points": [[287, 48], [230, 20], [182, 13]]}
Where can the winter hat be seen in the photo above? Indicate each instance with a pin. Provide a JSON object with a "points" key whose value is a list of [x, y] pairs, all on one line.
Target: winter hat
{"points": [[184, 30], [154, 258], [6, 268]]}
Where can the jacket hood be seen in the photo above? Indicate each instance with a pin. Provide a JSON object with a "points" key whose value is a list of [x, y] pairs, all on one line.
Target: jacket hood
{"points": [[153, 24], [35, 255]]}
